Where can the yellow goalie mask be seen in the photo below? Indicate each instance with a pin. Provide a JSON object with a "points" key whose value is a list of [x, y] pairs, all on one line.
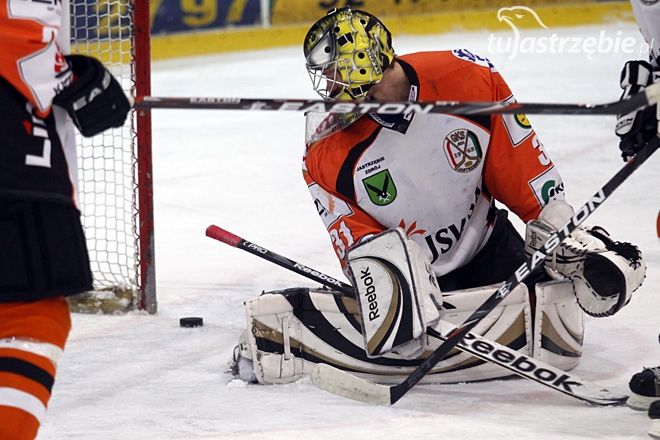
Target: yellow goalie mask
{"points": [[346, 53]]}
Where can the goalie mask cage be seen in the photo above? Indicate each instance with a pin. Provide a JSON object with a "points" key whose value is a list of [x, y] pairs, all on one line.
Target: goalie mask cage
{"points": [[114, 168]]}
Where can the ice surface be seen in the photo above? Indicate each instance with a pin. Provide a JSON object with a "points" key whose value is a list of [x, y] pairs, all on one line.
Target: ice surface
{"points": [[144, 377]]}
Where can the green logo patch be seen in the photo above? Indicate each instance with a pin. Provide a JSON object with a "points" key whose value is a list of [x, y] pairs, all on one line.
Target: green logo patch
{"points": [[550, 190], [381, 188]]}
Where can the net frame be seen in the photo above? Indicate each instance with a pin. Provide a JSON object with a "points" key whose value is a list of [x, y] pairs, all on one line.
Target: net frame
{"points": [[115, 187]]}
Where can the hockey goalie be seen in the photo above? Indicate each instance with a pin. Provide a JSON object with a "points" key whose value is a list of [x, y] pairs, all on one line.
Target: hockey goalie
{"points": [[409, 201]]}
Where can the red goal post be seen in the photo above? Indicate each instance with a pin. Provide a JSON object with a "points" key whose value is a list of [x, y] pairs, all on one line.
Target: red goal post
{"points": [[115, 168]]}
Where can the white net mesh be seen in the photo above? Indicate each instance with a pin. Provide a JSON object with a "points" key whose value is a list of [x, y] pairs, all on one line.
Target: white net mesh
{"points": [[107, 163]]}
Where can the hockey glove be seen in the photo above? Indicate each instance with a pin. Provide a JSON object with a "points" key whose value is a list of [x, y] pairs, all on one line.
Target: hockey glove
{"points": [[94, 99], [398, 294], [604, 272], [637, 128]]}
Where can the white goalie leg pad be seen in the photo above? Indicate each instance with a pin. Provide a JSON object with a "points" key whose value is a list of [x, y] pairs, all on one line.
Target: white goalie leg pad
{"points": [[241, 365], [398, 294], [509, 323], [290, 331], [558, 325], [270, 318], [604, 272]]}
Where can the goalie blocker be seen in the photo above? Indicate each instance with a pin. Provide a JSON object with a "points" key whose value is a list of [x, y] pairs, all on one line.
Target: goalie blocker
{"points": [[398, 294], [290, 331]]}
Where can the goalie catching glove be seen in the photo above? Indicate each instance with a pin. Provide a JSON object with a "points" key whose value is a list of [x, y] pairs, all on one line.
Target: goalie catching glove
{"points": [[398, 294], [604, 272]]}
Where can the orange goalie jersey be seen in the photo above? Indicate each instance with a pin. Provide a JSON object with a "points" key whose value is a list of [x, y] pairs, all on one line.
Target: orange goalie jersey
{"points": [[436, 176]]}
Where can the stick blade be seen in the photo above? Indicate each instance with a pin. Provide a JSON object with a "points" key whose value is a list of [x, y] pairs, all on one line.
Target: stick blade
{"points": [[342, 383]]}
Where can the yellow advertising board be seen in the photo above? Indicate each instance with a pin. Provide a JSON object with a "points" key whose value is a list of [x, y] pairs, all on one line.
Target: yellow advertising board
{"points": [[292, 18], [307, 11]]}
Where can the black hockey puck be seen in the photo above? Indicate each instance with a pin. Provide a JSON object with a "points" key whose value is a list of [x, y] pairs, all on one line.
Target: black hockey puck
{"points": [[191, 322]]}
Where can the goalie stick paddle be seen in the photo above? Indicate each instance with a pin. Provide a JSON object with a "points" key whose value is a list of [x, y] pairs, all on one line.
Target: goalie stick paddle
{"points": [[346, 384], [535, 370], [647, 97]]}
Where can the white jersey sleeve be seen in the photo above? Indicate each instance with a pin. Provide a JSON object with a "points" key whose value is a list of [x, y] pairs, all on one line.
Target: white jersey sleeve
{"points": [[647, 13]]}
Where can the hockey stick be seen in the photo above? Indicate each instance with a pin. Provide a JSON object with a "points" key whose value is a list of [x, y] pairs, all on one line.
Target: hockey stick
{"points": [[227, 237], [360, 389], [649, 96], [535, 370], [345, 384], [325, 377]]}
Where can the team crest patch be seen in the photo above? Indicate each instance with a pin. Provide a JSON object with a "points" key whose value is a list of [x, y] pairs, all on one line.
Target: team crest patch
{"points": [[463, 150], [381, 188]]}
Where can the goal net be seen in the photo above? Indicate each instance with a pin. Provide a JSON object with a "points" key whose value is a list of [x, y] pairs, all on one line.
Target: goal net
{"points": [[114, 168]]}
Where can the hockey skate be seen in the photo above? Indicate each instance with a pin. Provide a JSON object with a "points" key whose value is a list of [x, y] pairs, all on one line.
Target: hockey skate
{"points": [[644, 388], [654, 414], [645, 394]]}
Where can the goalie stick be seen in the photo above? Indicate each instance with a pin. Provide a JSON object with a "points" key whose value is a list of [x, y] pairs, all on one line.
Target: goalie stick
{"points": [[647, 97], [345, 384], [340, 382], [360, 389], [227, 237]]}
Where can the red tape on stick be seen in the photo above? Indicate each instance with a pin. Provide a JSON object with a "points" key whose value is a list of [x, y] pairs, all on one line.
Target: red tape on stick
{"points": [[217, 233]]}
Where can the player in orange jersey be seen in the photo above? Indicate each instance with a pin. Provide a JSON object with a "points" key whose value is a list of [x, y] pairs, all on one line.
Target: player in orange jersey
{"points": [[437, 177], [43, 255], [409, 203]]}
